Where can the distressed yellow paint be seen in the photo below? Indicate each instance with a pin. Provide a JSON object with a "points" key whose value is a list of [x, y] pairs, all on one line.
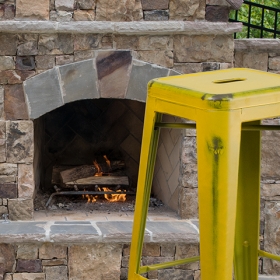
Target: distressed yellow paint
{"points": [[220, 102]]}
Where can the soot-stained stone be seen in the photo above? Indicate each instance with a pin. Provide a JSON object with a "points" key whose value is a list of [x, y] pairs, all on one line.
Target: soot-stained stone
{"points": [[25, 63], [113, 70], [155, 15], [29, 266], [155, 4], [8, 190], [217, 13]]}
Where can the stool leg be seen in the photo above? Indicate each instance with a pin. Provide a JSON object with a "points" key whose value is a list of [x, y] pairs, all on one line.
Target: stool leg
{"points": [[248, 208], [218, 144], [145, 176]]}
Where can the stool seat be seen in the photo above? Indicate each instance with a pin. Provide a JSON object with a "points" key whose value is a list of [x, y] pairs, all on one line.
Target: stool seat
{"points": [[222, 103]]}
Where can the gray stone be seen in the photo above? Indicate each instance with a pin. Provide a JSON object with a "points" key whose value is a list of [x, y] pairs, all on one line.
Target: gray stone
{"points": [[56, 272], [156, 15], [78, 81], [113, 69], [44, 62], [86, 4], [178, 274], [84, 55], [28, 45], [61, 16], [116, 231], [7, 63], [8, 44], [162, 58], [25, 63], [55, 44], [64, 5], [274, 63], [85, 261], [72, 232], [3, 210], [20, 232], [172, 231], [252, 60], [86, 41], [188, 203], [64, 59], [187, 68], [8, 169], [152, 43], [20, 142], [54, 262], [20, 209], [184, 251], [5, 201], [43, 93], [141, 74]]}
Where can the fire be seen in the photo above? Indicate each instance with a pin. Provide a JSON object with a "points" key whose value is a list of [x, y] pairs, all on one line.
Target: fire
{"points": [[107, 161], [114, 197], [98, 173]]}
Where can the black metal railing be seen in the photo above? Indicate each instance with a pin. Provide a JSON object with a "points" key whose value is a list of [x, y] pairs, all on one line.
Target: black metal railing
{"points": [[259, 21]]}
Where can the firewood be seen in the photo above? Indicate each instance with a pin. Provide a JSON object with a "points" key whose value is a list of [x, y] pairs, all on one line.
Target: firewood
{"points": [[101, 180], [85, 171]]}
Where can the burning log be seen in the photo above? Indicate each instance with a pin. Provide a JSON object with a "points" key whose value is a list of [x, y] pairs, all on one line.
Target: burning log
{"points": [[85, 171], [101, 180]]}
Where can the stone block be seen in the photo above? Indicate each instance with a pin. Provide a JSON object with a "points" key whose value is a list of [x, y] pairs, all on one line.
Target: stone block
{"points": [[14, 76], [64, 5], [56, 272], [167, 274], [84, 55], [86, 42], [44, 62], [3, 210], [8, 190], [28, 45], [7, 11], [14, 105], [52, 251], [85, 261], [20, 146], [20, 209], [188, 203], [7, 169], [156, 15], [79, 81], [127, 42], [217, 13], [29, 276], [86, 4], [5, 201], [200, 48], [188, 68], [151, 250], [186, 9], [83, 15], [26, 184], [61, 16], [43, 93], [64, 59], [271, 236], [274, 63], [155, 5], [25, 63], [1, 101], [54, 262], [7, 63], [28, 9], [119, 10], [162, 58], [8, 44], [7, 258], [158, 43], [113, 69], [141, 74], [8, 276], [187, 251], [30, 266], [54, 44], [167, 250], [27, 252], [258, 61], [156, 260]]}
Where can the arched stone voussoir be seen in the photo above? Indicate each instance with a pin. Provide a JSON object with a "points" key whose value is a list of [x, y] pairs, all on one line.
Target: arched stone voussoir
{"points": [[111, 74]]}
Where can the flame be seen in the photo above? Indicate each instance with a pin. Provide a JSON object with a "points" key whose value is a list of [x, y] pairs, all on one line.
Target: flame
{"points": [[107, 161], [98, 173], [114, 197], [90, 198]]}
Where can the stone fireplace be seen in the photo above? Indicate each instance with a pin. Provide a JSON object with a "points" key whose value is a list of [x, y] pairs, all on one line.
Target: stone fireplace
{"points": [[92, 101]]}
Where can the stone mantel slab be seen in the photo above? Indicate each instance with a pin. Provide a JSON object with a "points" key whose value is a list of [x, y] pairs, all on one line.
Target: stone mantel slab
{"points": [[125, 28], [259, 45], [183, 231]]}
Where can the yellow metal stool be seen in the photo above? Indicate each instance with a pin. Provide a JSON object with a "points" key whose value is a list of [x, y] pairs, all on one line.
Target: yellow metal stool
{"points": [[227, 106]]}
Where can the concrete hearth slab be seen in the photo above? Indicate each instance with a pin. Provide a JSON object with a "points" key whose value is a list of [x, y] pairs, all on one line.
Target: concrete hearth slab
{"points": [[92, 231]]}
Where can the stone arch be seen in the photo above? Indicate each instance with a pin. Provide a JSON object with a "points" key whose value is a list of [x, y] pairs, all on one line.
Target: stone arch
{"points": [[110, 74]]}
